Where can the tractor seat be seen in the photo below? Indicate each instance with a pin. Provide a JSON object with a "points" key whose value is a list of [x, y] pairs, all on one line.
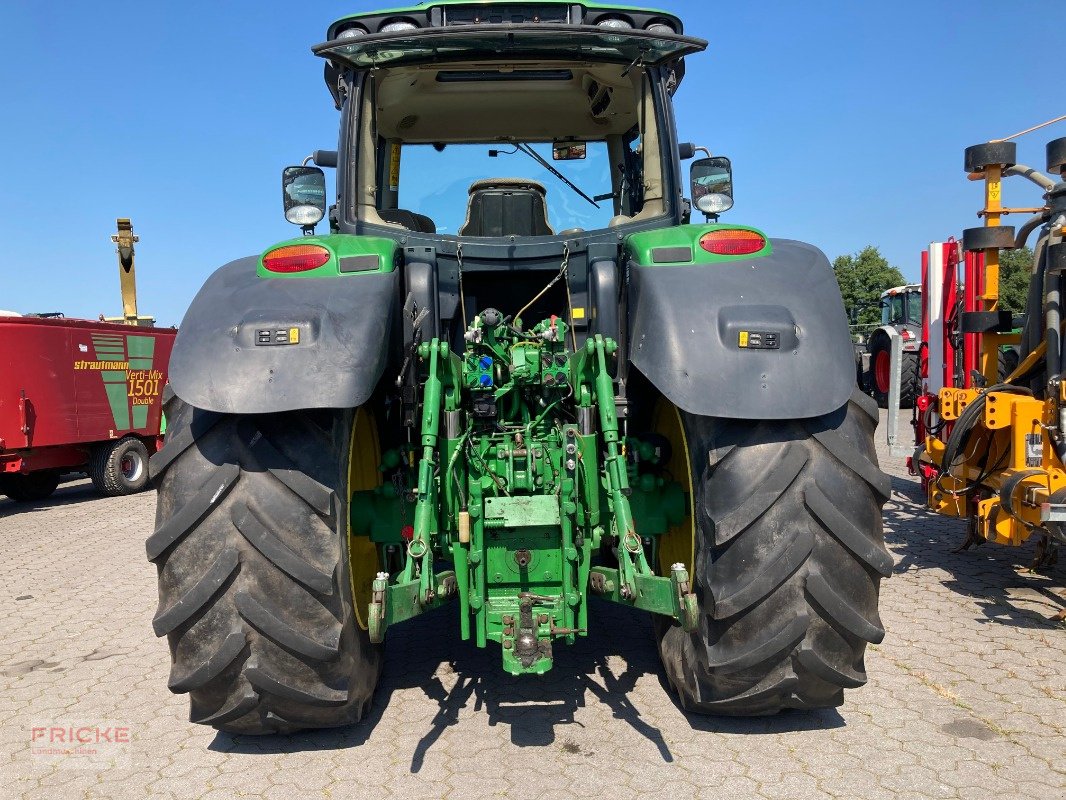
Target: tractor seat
{"points": [[506, 207], [409, 219]]}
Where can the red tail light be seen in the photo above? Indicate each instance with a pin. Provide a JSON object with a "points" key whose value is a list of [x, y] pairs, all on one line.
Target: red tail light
{"points": [[732, 242], [296, 258]]}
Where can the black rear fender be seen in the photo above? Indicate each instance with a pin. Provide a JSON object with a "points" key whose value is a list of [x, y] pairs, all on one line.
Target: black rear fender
{"points": [[253, 345], [694, 331]]}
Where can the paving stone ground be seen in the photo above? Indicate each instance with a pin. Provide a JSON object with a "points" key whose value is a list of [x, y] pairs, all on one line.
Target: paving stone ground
{"points": [[967, 697]]}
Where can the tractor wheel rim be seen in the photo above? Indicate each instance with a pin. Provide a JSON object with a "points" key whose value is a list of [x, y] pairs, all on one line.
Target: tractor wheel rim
{"points": [[881, 370], [131, 467], [364, 473]]}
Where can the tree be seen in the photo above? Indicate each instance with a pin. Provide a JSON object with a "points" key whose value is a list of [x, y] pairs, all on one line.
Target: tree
{"points": [[1015, 267], [862, 278]]}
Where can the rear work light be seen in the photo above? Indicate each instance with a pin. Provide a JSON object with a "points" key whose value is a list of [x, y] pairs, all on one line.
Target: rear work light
{"points": [[732, 242], [296, 258]]}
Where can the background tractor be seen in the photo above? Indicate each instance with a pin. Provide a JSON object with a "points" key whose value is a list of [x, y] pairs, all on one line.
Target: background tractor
{"points": [[901, 310], [512, 374]]}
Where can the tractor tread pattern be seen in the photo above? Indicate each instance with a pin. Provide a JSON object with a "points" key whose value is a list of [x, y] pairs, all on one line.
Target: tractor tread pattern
{"points": [[316, 495], [198, 594], [851, 458], [789, 600], [809, 658], [171, 531], [750, 653], [179, 438], [874, 554], [256, 530], [869, 405], [778, 475], [254, 588], [269, 621], [261, 678], [738, 596], [752, 702], [240, 706], [840, 612], [201, 673]]}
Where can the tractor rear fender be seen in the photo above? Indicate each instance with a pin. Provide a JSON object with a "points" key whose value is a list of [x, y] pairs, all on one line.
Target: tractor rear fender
{"points": [[747, 338], [254, 345]]}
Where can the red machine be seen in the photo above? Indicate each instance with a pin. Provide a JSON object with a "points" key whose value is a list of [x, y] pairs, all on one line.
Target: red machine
{"points": [[82, 396], [949, 357], [79, 395]]}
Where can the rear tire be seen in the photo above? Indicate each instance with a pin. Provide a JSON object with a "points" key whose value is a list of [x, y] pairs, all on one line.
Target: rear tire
{"points": [[1008, 362], [909, 380], [255, 594], [789, 557], [30, 488], [880, 372], [119, 468]]}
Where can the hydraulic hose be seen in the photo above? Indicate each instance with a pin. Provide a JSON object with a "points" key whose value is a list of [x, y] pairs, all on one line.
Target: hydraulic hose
{"points": [[1034, 304], [1027, 229], [1039, 178], [1052, 320]]}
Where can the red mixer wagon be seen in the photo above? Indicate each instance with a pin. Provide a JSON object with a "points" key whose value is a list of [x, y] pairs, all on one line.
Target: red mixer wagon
{"points": [[77, 395]]}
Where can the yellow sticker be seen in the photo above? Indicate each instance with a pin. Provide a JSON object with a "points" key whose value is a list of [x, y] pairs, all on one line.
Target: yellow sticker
{"points": [[394, 168], [294, 335], [743, 339], [579, 313]]}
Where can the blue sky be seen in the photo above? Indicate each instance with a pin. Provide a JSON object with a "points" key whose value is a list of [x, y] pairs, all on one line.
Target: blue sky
{"points": [[846, 123]]}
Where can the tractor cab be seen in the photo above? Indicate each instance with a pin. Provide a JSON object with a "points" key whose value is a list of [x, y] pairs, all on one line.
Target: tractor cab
{"points": [[497, 145], [565, 127], [902, 305]]}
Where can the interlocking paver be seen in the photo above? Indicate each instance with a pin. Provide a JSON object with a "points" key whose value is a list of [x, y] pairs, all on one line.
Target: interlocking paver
{"points": [[967, 697]]}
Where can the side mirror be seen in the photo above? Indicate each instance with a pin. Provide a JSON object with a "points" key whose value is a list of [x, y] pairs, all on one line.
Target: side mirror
{"points": [[712, 185], [303, 191]]}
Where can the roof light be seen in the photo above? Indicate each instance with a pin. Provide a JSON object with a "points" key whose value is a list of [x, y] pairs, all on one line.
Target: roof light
{"points": [[352, 32], [661, 28], [614, 22], [296, 258], [398, 25], [732, 242]]}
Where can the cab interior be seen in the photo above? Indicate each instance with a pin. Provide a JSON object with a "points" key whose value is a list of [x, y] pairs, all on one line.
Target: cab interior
{"points": [[502, 105]]}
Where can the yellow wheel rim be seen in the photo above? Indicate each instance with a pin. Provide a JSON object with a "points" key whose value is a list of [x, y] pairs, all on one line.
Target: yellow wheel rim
{"points": [[677, 545], [364, 459]]}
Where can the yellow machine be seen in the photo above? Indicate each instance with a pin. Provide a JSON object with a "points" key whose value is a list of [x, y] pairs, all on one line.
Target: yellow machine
{"points": [[127, 275], [995, 453]]}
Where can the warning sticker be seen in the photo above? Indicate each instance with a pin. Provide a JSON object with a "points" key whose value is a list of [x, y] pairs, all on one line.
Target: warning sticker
{"points": [[394, 168], [1033, 449]]}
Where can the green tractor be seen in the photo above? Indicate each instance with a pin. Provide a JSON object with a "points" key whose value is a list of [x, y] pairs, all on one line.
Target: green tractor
{"points": [[506, 394]]}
